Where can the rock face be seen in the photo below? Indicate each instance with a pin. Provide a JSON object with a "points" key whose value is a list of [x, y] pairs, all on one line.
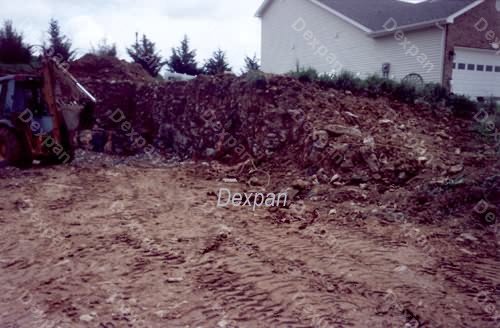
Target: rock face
{"points": [[267, 119], [223, 117]]}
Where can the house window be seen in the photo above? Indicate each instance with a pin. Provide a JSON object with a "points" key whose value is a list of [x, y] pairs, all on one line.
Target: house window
{"points": [[454, 65], [480, 68], [489, 68], [470, 67], [497, 69], [461, 66]]}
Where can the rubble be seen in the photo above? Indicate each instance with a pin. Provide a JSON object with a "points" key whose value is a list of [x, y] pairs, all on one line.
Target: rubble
{"points": [[278, 124], [232, 119]]}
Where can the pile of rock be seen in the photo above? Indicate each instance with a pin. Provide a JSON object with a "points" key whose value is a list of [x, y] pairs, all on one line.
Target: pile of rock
{"points": [[344, 147], [273, 119]]}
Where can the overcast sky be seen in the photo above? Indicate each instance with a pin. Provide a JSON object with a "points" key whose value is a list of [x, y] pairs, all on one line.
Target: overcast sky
{"points": [[229, 24]]}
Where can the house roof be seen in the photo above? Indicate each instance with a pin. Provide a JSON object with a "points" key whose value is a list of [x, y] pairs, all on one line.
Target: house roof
{"points": [[375, 14], [371, 15]]}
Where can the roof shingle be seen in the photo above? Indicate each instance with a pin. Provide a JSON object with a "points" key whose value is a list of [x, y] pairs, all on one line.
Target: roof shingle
{"points": [[373, 14]]}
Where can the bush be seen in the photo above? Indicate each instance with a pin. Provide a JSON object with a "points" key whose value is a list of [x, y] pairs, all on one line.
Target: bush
{"points": [[256, 79], [305, 74], [405, 92], [434, 93], [343, 81], [375, 85], [104, 49], [348, 81], [461, 105], [327, 80], [488, 118]]}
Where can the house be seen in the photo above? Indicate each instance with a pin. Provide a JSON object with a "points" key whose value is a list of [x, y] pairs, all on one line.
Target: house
{"points": [[452, 42]]}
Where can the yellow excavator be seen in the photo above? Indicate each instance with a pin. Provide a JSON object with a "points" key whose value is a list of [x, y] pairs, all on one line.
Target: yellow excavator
{"points": [[41, 114]]}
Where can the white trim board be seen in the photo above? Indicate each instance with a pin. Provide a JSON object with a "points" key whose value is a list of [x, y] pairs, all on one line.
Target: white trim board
{"points": [[341, 16], [451, 19]]}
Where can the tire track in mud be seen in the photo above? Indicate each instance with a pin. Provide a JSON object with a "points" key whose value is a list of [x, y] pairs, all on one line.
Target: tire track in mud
{"points": [[332, 275], [445, 282], [410, 284], [255, 283], [338, 289], [259, 275]]}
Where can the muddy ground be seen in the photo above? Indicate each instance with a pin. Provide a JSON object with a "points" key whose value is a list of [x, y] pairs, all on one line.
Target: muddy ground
{"points": [[125, 245]]}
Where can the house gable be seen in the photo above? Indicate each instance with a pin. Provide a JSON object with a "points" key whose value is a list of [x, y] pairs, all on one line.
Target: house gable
{"points": [[267, 3]]}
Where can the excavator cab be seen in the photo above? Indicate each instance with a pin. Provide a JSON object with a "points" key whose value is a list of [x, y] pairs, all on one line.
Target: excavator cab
{"points": [[40, 116]]}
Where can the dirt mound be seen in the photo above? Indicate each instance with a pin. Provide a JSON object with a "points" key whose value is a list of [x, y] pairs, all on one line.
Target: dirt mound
{"points": [[269, 119], [107, 68], [343, 147]]}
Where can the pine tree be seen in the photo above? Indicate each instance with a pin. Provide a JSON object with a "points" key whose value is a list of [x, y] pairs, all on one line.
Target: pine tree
{"points": [[144, 54], [13, 50], [104, 49], [217, 64], [59, 45], [183, 60], [251, 64]]}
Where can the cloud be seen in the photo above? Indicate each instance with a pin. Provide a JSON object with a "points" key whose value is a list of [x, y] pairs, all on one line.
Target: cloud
{"points": [[228, 24]]}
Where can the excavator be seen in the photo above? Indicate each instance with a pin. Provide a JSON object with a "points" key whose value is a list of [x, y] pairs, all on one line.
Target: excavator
{"points": [[41, 115]]}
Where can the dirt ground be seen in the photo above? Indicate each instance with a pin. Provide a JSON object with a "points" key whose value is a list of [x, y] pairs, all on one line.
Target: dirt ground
{"points": [[131, 246]]}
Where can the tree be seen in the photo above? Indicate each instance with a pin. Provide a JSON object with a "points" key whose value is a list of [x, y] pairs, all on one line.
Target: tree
{"points": [[251, 64], [144, 54], [13, 50], [183, 60], [59, 45], [104, 49], [217, 64]]}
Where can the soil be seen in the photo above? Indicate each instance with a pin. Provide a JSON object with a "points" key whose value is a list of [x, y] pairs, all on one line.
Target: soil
{"points": [[117, 243], [108, 68]]}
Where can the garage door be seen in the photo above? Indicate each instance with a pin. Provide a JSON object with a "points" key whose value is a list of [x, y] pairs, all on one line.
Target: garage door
{"points": [[476, 73]]}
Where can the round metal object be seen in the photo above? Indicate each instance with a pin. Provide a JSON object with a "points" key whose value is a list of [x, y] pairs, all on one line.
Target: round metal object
{"points": [[414, 79]]}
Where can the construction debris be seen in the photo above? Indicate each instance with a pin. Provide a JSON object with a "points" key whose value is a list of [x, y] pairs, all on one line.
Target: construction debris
{"points": [[282, 124]]}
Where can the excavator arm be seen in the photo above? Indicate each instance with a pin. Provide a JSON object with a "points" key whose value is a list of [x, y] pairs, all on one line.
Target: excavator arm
{"points": [[50, 97], [66, 99]]}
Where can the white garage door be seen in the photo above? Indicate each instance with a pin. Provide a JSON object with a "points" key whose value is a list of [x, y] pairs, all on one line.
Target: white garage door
{"points": [[476, 73]]}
